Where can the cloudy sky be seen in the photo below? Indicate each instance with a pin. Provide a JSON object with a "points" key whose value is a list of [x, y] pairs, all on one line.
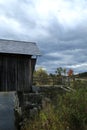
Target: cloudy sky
{"points": [[59, 27]]}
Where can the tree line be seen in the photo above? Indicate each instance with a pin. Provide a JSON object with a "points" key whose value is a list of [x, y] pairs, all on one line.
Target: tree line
{"points": [[61, 76]]}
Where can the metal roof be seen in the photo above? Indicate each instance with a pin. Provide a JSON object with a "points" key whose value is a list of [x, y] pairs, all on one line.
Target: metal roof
{"points": [[18, 47]]}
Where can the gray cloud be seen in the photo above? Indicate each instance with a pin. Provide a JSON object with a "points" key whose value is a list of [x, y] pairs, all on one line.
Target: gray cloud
{"points": [[60, 32]]}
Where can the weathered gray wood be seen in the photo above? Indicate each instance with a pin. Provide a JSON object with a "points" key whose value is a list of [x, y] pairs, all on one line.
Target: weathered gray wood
{"points": [[33, 62], [4, 74], [27, 74], [16, 72], [11, 72]]}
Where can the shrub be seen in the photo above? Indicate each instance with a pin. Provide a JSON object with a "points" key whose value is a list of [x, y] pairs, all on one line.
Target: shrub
{"points": [[72, 110], [70, 113]]}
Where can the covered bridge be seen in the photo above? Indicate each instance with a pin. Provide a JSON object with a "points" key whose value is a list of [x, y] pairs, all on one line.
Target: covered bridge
{"points": [[17, 64]]}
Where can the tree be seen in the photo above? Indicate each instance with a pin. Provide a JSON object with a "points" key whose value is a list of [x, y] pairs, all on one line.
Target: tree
{"points": [[70, 76], [41, 76], [70, 72], [64, 71], [59, 71]]}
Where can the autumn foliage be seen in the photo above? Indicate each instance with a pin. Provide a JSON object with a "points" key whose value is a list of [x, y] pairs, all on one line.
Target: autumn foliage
{"points": [[70, 72]]}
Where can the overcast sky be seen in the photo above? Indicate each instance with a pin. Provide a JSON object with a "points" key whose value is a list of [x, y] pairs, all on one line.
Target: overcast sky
{"points": [[59, 27]]}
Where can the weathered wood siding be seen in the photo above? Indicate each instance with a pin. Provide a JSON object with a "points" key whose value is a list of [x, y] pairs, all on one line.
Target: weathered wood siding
{"points": [[16, 72]]}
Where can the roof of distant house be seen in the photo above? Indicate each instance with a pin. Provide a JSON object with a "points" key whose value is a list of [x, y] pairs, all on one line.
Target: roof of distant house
{"points": [[18, 47]]}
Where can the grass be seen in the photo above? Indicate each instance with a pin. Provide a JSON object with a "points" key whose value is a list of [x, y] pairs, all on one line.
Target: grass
{"points": [[70, 112]]}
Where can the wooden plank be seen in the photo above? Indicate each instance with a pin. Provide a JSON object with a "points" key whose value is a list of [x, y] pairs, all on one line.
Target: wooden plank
{"points": [[0, 72], [33, 62], [20, 74], [26, 74], [23, 74], [30, 74], [4, 73], [11, 73]]}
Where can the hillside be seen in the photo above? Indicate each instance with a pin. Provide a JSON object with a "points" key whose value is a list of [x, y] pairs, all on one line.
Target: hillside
{"points": [[82, 75]]}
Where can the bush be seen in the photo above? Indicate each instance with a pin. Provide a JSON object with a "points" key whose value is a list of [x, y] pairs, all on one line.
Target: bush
{"points": [[47, 120], [72, 110], [70, 113]]}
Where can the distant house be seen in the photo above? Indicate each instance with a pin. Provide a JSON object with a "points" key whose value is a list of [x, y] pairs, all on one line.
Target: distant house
{"points": [[17, 64]]}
